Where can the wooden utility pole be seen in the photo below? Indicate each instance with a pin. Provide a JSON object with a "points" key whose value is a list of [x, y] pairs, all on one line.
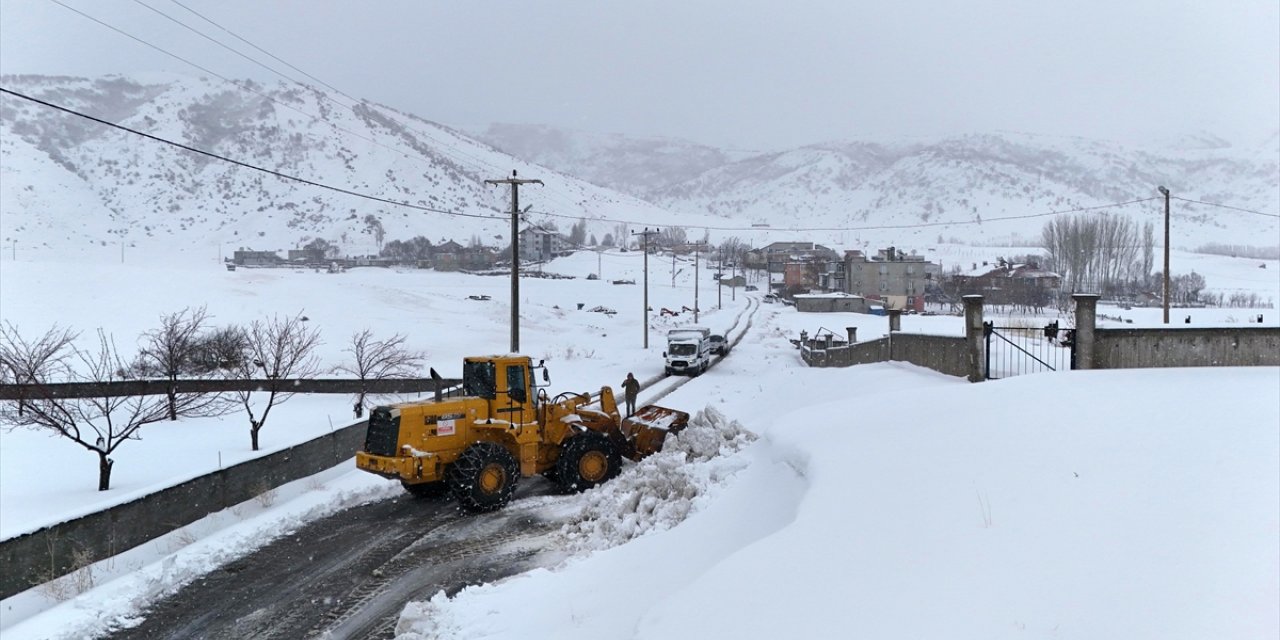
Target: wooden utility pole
{"points": [[1166, 253], [696, 264], [515, 253], [719, 284], [645, 247]]}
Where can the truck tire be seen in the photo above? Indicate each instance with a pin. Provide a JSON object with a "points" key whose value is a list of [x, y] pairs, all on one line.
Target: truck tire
{"points": [[587, 460], [483, 478], [426, 490]]}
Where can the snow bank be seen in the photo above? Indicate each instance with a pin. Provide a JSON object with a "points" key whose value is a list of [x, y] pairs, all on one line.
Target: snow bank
{"points": [[701, 481], [660, 491], [1087, 504]]}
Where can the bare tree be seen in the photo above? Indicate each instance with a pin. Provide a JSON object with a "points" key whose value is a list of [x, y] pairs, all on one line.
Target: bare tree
{"points": [[282, 348], [379, 360], [99, 423], [33, 362], [171, 351], [1094, 253], [221, 350]]}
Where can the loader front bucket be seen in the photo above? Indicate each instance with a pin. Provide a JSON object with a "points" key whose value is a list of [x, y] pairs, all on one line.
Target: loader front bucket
{"points": [[645, 430]]}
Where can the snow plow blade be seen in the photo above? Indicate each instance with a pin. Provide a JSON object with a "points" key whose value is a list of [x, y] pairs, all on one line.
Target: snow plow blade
{"points": [[645, 430]]}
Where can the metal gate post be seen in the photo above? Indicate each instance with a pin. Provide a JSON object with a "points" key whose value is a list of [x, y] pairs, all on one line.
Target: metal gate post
{"points": [[986, 347]]}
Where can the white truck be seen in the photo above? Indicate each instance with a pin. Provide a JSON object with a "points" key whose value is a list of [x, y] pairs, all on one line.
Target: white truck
{"points": [[688, 350]]}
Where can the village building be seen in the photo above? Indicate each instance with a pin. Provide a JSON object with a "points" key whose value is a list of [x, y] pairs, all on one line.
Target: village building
{"points": [[251, 258], [1006, 283], [539, 245], [898, 279], [834, 302]]}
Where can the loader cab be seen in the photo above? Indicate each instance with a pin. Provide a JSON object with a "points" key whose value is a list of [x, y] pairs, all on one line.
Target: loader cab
{"points": [[508, 383]]}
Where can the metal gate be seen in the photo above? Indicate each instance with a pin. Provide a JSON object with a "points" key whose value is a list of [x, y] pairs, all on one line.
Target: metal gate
{"points": [[1012, 351]]}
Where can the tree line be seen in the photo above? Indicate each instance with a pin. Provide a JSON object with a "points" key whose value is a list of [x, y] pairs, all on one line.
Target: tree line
{"points": [[184, 345], [1112, 255]]}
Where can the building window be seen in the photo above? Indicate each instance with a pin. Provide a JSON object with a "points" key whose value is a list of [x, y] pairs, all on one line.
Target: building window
{"points": [[884, 286], [884, 268], [911, 270]]}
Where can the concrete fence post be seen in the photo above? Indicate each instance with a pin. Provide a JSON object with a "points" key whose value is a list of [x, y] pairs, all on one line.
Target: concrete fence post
{"points": [[853, 334], [895, 324], [974, 337], [1086, 322]]}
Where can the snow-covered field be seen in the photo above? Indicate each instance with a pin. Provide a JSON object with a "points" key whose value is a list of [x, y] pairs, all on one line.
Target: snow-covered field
{"points": [[876, 501]]}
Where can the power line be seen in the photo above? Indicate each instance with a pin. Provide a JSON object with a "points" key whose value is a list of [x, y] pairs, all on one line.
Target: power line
{"points": [[867, 228], [245, 164], [239, 85], [1227, 206], [264, 51], [462, 156]]}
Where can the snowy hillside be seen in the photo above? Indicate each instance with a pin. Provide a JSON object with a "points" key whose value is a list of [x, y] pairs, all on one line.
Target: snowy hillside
{"points": [[860, 184], [635, 165], [68, 182]]}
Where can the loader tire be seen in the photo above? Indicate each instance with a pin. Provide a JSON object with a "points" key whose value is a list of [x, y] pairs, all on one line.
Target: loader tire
{"points": [[587, 460], [483, 478], [426, 490]]}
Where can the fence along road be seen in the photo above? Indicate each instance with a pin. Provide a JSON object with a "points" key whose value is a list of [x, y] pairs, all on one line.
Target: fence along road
{"points": [[206, 385]]}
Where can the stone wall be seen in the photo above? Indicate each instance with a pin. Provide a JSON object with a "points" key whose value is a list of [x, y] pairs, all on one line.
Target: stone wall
{"points": [[1186, 347], [50, 552], [945, 354], [847, 355]]}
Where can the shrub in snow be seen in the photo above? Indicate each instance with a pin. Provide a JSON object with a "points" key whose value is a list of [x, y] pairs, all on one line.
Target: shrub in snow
{"points": [[658, 492]]}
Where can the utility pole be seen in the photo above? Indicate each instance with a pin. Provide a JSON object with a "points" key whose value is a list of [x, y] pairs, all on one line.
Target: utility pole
{"points": [[696, 276], [645, 234], [515, 253], [673, 267], [719, 282], [1166, 253], [734, 288]]}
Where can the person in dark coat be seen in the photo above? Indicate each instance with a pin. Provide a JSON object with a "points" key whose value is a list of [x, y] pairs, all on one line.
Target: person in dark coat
{"points": [[630, 389]]}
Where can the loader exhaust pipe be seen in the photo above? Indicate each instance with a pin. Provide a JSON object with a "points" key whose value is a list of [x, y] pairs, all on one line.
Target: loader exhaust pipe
{"points": [[435, 379]]}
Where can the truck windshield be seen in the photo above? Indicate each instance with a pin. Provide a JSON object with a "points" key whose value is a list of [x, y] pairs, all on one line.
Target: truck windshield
{"points": [[684, 349], [478, 379]]}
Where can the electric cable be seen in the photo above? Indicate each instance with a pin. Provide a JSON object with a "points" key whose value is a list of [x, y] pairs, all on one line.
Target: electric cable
{"points": [[246, 165], [1227, 206], [240, 85]]}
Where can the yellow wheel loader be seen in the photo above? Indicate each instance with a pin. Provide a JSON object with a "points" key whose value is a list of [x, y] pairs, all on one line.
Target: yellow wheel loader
{"points": [[503, 427]]}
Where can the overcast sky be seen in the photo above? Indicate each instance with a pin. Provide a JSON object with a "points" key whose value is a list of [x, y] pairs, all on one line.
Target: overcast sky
{"points": [[747, 74]]}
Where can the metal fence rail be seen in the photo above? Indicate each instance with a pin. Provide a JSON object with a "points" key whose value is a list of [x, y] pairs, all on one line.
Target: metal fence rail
{"points": [[161, 387]]}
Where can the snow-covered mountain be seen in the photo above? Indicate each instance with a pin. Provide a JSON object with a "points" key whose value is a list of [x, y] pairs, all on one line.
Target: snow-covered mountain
{"points": [[68, 182], [958, 179]]}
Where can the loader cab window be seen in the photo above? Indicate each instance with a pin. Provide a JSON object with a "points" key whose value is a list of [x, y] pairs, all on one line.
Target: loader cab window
{"points": [[516, 386], [479, 379]]}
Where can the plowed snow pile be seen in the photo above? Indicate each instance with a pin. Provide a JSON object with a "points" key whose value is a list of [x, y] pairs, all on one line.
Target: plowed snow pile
{"points": [[661, 490]]}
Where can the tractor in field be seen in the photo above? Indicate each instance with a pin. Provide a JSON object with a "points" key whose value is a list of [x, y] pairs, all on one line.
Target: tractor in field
{"points": [[503, 426]]}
